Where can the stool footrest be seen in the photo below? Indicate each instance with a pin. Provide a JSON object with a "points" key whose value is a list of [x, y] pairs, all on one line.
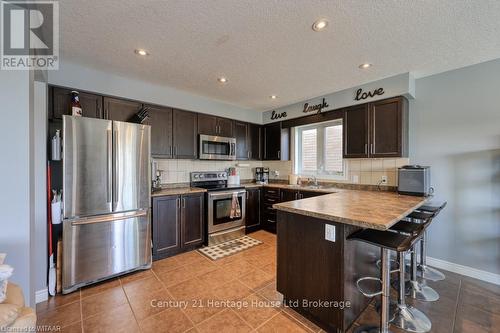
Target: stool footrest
{"points": [[369, 293]]}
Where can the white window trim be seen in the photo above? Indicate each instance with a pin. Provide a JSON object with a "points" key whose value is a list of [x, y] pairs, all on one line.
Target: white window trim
{"points": [[296, 137]]}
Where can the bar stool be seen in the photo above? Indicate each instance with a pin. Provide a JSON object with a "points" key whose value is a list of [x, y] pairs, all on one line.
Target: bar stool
{"points": [[408, 317], [423, 270], [387, 241], [418, 289]]}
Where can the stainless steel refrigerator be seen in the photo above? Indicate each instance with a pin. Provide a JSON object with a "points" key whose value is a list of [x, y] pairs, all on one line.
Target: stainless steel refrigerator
{"points": [[106, 200]]}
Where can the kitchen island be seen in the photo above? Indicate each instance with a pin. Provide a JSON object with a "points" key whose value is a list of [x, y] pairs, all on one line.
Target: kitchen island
{"points": [[317, 267]]}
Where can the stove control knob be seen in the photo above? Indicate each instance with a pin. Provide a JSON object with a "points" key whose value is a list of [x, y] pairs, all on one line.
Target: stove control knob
{"points": [[196, 176], [201, 176]]}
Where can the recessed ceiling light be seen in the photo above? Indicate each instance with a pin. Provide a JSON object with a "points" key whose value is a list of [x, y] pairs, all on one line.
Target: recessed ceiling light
{"points": [[365, 66], [320, 25], [273, 96], [141, 52], [222, 79]]}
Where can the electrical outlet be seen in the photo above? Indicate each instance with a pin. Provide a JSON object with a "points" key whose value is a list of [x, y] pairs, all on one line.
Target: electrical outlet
{"points": [[383, 180], [330, 232]]}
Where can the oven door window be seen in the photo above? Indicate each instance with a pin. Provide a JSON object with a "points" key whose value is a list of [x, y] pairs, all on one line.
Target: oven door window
{"points": [[215, 148], [222, 210]]}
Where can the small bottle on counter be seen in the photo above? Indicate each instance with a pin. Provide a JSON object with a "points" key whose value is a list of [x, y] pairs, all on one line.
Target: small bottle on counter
{"points": [[76, 108], [56, 146]]}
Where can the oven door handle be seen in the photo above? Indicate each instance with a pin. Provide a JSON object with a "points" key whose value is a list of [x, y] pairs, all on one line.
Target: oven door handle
{"points": [[225, 195]]}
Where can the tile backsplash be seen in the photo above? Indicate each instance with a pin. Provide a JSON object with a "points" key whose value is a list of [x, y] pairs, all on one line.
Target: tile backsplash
{"points": [[358, 171]]}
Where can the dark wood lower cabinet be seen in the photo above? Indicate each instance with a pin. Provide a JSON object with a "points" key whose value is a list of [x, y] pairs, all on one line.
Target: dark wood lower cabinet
{"points": [[178, 224], [166, 226], [312, 269], [192, 218], [252, 219]]}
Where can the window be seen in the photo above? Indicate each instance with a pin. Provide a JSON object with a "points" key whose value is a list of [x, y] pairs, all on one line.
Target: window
{"points": [[318, 150]]}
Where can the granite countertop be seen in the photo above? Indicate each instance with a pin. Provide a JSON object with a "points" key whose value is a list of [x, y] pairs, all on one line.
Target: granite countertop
{"points": [[177, 191], [366, 209]]}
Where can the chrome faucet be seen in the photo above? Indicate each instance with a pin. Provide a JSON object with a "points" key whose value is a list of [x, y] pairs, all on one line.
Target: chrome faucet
{"points": [[313, 180]]}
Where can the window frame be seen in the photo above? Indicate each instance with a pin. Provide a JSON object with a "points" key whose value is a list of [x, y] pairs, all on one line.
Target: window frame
{"points": [[320, 173]]}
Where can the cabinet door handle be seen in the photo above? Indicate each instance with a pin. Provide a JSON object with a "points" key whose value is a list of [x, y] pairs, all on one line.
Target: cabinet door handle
{"points": [[171, 150], [279, 154], [248, 154], [371, 148], [247, 195], [178, 202], [183, 202], [366, 148]]}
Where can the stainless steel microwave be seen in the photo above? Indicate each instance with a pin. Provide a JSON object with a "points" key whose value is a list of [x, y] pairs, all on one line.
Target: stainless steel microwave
{"points": [[217, 148]]}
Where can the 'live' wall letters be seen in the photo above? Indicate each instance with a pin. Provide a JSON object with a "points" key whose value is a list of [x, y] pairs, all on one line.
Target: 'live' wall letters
{"points": [[275, 115]]}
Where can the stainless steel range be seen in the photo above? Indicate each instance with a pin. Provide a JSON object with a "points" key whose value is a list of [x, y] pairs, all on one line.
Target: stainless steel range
{"points": [[223, 223]]}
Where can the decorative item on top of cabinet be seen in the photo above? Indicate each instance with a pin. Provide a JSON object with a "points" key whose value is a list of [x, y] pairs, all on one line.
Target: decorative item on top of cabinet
{"points": [[120, 109], [276, 142], [377, 129], [252, 218], [213, 125], [60, 103], [178, 224]]}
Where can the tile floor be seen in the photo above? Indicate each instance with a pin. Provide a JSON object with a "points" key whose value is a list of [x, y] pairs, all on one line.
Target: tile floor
{"points": [[152, 301]]}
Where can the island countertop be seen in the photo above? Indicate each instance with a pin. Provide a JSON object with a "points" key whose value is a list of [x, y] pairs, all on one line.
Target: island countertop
{"points": [[366, 209]]}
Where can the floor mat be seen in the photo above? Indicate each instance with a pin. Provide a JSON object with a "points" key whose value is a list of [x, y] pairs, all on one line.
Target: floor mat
{"points": [[228, 248]]}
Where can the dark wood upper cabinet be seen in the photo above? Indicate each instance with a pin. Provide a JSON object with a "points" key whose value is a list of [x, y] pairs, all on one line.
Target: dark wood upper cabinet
{"points": [[241, 135], [207, 124], [276, 142], [192, 219], [389, 128], [356, 131], [185, 134], [120, 109], [377, 129], [254, 141], [213, 125], [166, 226], [61, 103], [225, 127], [161, 120]]}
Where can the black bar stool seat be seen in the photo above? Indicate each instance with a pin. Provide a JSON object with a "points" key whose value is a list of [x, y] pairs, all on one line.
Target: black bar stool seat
{"points": [[389, 240], [409, 228], [433, 206], [418, 215]]}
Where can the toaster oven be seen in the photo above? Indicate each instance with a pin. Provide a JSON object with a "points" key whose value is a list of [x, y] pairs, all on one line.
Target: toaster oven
{"points": [[414, 180]]}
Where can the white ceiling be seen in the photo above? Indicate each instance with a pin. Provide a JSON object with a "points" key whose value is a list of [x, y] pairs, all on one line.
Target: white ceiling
{"points": [[267, 47]]}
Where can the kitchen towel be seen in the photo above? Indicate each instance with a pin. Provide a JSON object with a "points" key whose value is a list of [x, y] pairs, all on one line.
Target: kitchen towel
{"points": [[235, 207]]}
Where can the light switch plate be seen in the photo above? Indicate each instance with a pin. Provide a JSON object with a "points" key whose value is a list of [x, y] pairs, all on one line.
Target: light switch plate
{"points": [[330, 232]]}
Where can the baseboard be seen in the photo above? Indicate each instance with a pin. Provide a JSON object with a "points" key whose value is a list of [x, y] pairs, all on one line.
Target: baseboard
{"points": [[41, 295], [464, 270]]}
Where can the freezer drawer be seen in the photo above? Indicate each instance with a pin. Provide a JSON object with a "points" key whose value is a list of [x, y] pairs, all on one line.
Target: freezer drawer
{"points": [[101, 247]]}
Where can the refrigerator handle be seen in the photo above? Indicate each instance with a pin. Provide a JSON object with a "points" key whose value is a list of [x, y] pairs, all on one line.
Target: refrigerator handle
{"points": [[110, 166], [115, 169]]}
